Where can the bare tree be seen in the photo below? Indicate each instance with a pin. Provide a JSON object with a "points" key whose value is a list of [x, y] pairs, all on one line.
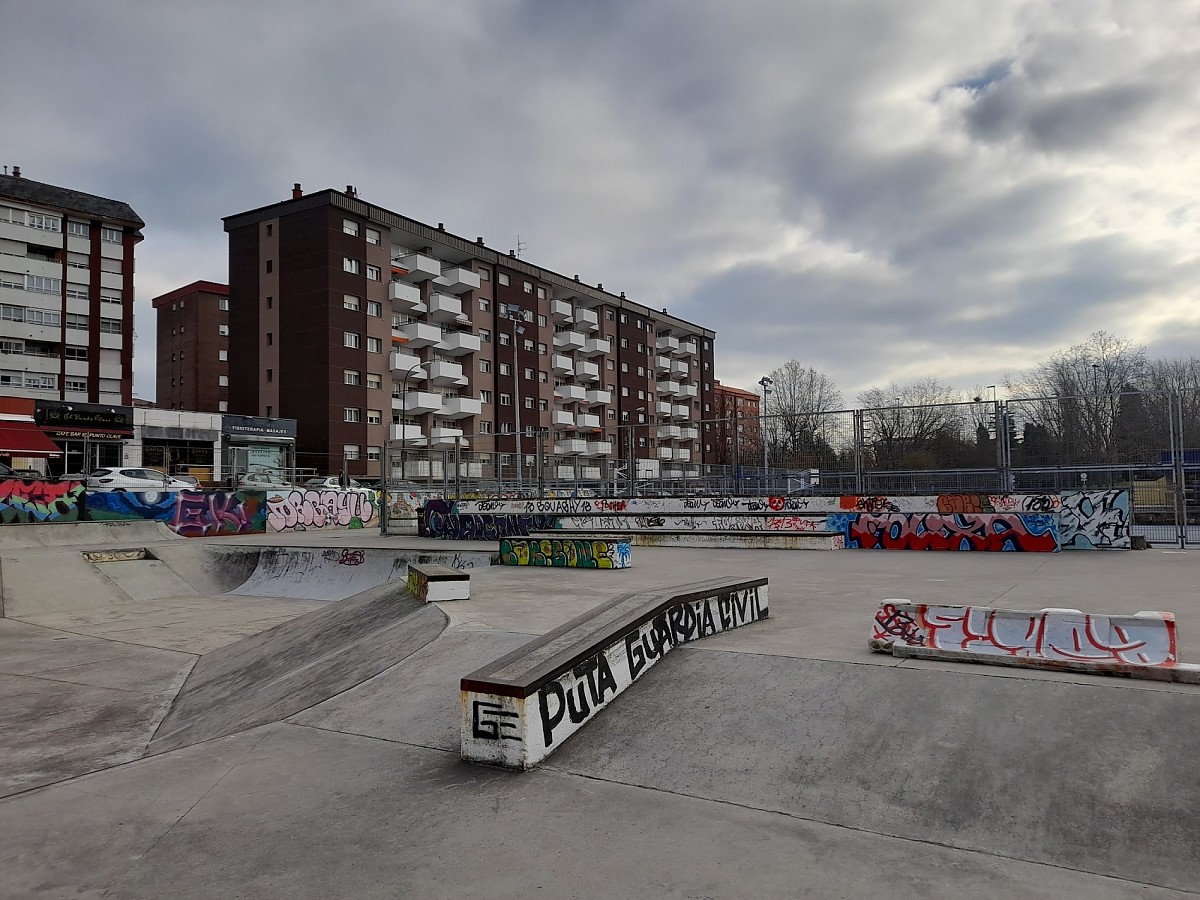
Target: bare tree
{"points": [[913, 425], [798, 421]]}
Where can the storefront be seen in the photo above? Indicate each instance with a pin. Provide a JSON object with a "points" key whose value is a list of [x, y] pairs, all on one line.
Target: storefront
{"points": [[258, 444], [90, 435], [23, 445], [176, 442]]}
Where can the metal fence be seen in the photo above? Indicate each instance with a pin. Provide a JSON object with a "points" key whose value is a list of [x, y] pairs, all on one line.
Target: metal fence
{"points": [[1146, 441]]}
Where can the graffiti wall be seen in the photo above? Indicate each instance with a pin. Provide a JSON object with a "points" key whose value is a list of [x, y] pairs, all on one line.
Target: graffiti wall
{"points": [[1144, 639], [33, 502], [187, 513], [958, 531], [1094, 519], [569, 553], [301, 510], [440, 519]]}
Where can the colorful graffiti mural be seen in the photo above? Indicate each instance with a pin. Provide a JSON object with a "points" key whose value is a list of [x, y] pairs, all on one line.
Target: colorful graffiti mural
{"points": [[440, 520], [960, 531], [1144, 639], [569, 553], [300, 510], [33, 502], [187, 513], [1094, 519]]}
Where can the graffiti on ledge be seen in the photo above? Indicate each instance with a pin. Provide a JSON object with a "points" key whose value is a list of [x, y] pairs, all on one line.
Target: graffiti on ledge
{"points": [[569, 553]]}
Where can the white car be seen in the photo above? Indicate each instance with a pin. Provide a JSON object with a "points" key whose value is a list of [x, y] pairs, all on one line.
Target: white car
{"points": [[262, 481], [330, 483], [133, 479]]}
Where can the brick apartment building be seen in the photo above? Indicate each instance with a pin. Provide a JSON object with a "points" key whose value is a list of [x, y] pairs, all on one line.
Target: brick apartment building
{"points": [[368, 327], [736, 433], [193, 348]]}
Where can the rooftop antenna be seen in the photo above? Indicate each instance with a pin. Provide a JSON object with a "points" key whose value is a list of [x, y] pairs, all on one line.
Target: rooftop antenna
{"points": [[521, 245]]}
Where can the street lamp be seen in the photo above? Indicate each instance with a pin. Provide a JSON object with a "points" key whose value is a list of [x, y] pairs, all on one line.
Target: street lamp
{"points": [[515, 313], [765, 383], [404, 419], [632, 457]]}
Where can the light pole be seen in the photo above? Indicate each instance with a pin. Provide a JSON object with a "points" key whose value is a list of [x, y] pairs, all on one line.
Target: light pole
{"points": [[403, 421], [765, 383], [513, 312], [632, 456]]}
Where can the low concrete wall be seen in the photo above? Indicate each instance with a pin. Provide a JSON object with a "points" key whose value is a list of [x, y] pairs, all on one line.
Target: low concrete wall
{"points": [[566, 552]]}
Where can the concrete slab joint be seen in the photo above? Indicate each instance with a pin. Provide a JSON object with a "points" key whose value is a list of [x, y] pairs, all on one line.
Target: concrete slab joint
{"points": [[521, 708]]}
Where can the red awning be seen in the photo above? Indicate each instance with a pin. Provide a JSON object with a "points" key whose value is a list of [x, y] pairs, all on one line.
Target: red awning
{"points": [[25, 439]]}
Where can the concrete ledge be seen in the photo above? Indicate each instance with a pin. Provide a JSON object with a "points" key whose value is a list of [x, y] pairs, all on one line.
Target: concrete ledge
{"points": [[566, 551], [433, 583], [519, 709], [1180, 673], [739, 540]]}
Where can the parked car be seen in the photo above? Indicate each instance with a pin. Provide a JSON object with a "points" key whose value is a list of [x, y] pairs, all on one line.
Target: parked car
{"points": [[135, 479], [330, 483], [263, 481], [9, 472]]}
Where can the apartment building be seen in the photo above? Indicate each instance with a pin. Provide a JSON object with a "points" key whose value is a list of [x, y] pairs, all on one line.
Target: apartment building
{"points": [[66, 293], [193, 348], [369, 327], [737, 433]]}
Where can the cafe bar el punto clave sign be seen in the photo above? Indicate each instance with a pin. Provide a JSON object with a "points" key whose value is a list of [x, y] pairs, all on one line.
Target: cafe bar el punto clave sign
{"points": [[71, 421]]}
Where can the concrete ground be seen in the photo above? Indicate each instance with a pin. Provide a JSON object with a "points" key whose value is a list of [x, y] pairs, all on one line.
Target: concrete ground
{"points": [[313, 752]]}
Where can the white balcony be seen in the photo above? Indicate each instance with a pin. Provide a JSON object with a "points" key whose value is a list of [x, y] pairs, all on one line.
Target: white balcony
{"points": [[587, 319], [445, 308], [461, 407], [458, 343], [668, 387], [570, 448], [570, 393], [664, 452], [599, 448], [409, 434], [417, 402], [596, 346], [662, 408], [441, 436], [681, 411], [568, 340], [562, 365], [689, 390], [680, 367], [421, 334], [456, 280], [562, 418], [401, 362], [682, 454], [587, 420], [418, 267], [442, 372], [586, 371], [406, 297], [565, 473], [689, 433], [662, 363], [561, 310], [688, 349], [668, 432], [598, 397], [667, 344]]}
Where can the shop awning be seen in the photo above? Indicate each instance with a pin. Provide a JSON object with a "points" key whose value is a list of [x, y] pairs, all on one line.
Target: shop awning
{"points": [[25, 439]]}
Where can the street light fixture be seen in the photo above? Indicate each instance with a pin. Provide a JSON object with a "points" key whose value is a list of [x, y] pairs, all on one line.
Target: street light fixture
{"points": [[404, 419], [765, 383]]}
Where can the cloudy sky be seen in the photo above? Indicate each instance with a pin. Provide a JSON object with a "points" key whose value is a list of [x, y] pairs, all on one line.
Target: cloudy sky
{"points": [[882, 189]]}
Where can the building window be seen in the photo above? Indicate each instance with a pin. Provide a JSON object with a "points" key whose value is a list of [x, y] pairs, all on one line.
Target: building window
{"points": [[624, 367], [80, 322], [375, 309], [528, 374], [485, 427], [374, 417], [373, 273], [270, 411], [353, 266], [624, 392], [223, 380], [529, 403], [223, 330], [270, 338], [374, 382], [351, 414], [541, 293], [484, 304], [270, 266], [270, 302], [485, 336], [112, 326], [351, 376], [349, 339], [505, 340], [373, 236], [108, 235], [223, 304], [506, 399], [543, 405], [40, 284], [79, 229], [75, 353], [609, 315], [528, 344], [373, 452], [642, 371], [270, 229], [79, 385], [541, 320], [349, 226], [505, 369], [485, 396], [351, 451], [223, 406], [503, 278], [223, 355], [541, 349], [484, 275], [270, 375], [485, 365], [374, 345], [624, 343], [349, 301], [528, 286], [543, 377]]}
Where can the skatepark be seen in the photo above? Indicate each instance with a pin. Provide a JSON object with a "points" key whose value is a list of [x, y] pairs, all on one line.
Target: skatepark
{"points": [[276, 715]]}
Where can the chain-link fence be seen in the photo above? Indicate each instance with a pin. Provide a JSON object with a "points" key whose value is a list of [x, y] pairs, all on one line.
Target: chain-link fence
{"points": [[1145, 441]]}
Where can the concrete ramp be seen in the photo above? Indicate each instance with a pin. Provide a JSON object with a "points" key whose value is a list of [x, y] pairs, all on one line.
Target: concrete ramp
{"points": [[333, 574], [85, 534], [146, 579], [272, 675]]}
